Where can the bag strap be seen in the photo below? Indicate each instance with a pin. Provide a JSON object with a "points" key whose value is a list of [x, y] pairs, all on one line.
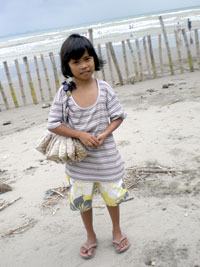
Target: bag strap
{"points": [[67, 87]]}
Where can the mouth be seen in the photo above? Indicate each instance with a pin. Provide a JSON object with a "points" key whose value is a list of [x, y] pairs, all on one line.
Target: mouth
{"points": [[85, 72]]}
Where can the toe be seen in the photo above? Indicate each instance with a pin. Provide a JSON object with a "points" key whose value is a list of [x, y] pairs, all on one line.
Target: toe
{"points": [[91, 252]]}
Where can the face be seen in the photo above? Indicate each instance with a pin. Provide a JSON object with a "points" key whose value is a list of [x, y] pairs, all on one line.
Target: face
{"points": [[82, 68]]}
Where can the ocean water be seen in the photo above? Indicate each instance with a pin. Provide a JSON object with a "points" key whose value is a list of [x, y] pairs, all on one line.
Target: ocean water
{"points": [[37, 43]]}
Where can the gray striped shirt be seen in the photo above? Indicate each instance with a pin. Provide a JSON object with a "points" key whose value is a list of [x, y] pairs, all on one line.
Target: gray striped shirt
{"points": [[103, 163]]}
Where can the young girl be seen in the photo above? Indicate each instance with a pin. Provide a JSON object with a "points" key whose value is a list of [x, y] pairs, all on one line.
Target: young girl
{"points": [[92, 112]]}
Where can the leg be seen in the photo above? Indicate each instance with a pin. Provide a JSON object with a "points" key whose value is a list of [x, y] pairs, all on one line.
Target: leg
{"points": [[81, 195], [88, 249], [114, 193], [115, 217], [120, 241]]}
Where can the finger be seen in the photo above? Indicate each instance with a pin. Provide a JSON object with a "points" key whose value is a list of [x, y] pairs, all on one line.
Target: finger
{"points": [[91, 144], [94, 145], [98, 138], [94, 141]]}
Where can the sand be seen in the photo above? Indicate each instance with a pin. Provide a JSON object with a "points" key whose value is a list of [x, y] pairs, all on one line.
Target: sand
{"points": [[161, 221]]}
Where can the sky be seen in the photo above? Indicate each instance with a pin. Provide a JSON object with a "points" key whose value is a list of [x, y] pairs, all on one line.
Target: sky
{"points": [[21, 16]]}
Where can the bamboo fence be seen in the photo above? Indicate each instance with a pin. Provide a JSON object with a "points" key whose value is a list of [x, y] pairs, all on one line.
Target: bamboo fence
{"points": [[135, 61]]}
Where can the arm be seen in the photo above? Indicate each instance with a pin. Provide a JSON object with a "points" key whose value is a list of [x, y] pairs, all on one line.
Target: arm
{"points": [[115, 113], [112, 126], [86, 138], [55, 123]]}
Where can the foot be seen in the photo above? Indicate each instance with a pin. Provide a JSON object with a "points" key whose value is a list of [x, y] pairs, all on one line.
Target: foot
{"points": [[87, 250], [120, 242]]}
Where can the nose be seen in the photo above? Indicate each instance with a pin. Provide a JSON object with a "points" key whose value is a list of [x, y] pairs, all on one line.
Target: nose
{"points": [[83, 65]]}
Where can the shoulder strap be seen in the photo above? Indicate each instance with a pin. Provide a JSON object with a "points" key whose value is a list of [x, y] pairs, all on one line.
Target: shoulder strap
{"points": [[67, 87]]}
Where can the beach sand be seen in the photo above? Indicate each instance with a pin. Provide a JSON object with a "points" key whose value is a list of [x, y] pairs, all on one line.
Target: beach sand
{"points": [[161, 221]]}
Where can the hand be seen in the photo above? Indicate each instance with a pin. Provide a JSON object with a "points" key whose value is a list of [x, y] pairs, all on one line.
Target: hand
{"points": [[101, 138], [88, 140]]}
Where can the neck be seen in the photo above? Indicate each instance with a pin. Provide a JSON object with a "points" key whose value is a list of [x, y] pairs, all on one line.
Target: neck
{"points": [[82, 83]]}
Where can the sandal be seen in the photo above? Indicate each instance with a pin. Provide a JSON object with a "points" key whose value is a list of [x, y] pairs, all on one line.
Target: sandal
{"points": [[118, 244], [84, 254]]}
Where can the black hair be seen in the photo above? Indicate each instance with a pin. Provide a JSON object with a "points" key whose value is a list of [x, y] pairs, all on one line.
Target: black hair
{"points": [[73, 48]]}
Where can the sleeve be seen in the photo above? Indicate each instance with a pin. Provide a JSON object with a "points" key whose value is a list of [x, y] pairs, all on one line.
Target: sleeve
{"points": [[55, 118], [115, 110]]}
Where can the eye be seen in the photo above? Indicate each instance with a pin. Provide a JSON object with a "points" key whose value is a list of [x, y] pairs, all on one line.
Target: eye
{"points": [[87, 58]]}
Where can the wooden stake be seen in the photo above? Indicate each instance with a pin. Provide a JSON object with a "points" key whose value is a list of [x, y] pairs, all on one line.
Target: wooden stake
{"points": [[167, 45], [20, 81], [160, 53], [179, 51], [146, 55], [39, 79], [125, 62], [53, 62], [10, 84], [190, 62], [91, 35], [46, 76], [139, 59], [114, 58], [110, 65], [33, 94], [134, 61], [100, 55], [4, 96], [152, 57], [197, 46]]}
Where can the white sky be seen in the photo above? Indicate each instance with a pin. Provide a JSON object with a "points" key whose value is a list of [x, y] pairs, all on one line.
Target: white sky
{"points": [[19, 16]]}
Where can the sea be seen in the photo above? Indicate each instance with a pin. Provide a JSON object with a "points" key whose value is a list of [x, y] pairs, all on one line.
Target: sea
{"points": [[115, 30]]}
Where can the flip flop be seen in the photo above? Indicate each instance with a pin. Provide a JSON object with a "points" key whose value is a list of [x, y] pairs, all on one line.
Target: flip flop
{"points": [[84, 254], [117, 244]]}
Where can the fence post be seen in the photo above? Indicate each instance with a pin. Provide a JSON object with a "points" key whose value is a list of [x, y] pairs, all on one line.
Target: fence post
{"points": [[134, 61], [100, 55], [110, 65], [197, 46], [112, 52], [125, 61], [160, 53], [20, 81], [25, 59], [146, 55], [39, 79], [139, 59], [152, 56], [10, 84], [188, 51], [92, 41], [179, 52], [90, 35], [46, 76], [54, 70], [4, 96], [167, 45]]}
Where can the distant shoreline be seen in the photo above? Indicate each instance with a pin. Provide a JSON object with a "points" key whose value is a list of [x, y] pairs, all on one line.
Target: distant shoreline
{"points": [[92, 23]]}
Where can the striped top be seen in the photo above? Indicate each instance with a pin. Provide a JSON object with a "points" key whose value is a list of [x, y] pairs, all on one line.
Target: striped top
{"points": [[103, 163]]}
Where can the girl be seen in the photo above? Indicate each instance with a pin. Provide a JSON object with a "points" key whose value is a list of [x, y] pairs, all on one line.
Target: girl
{"points": [[92, 112]]}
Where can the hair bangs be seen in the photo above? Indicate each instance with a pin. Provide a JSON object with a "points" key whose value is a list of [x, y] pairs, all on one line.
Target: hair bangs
{"points": [[78, 48]]}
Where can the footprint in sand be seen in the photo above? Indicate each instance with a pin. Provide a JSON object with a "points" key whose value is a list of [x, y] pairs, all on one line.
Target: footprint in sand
{"points": [[123, 143], [30, 170]]}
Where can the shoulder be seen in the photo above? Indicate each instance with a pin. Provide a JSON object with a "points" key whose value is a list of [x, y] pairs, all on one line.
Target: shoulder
{"points": [[104, 86], [61, 95]]}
